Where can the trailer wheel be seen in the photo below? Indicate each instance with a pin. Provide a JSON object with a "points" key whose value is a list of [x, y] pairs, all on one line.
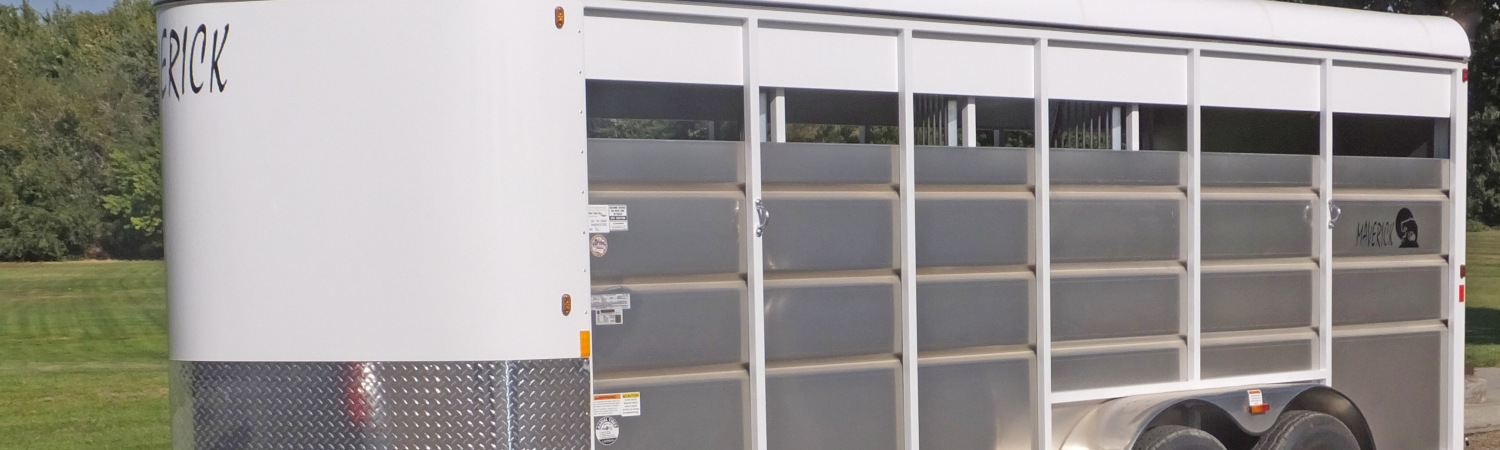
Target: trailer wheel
{"points": [[1177, 437], [1307, 430]]}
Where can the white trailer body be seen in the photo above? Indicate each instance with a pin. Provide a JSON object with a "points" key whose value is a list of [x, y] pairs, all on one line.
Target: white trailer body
{"points": [[806, 225]]}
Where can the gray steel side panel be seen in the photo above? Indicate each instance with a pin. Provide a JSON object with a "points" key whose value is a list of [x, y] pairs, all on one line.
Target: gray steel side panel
{"points": [[541, 404], [957, 314], [827, 163], [1257, 170], [1387, 295], [830, 233], [973, 232], [1375, 172], [976, 405], [1396, 381], [1114, 306], [848, 410], [672, 328], [1257, 229], [700, 414], [972, 165], [1108, 167], [1258, 358], [830, 320], [1257, 300], [1114, 369], [663, 161], [1089, 230], [672, 235]]}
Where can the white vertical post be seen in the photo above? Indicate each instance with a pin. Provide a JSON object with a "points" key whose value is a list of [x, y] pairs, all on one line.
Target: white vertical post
{"points": [[1041, 402], [909, 242], [1453, 356], [1192, 307], [753, 251], [1116, 128], [971, 124], [1321, 226], [778, 116], [1133, 127], [951, 126]]}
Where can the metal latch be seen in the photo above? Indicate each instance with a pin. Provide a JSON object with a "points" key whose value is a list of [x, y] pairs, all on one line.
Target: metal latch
{"points": [[1333, 214], [764, 216]]}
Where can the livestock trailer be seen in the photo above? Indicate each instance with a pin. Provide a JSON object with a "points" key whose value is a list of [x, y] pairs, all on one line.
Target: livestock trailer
{"points": [[819, 224]]}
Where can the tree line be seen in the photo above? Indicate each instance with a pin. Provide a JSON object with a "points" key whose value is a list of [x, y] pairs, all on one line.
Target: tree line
{"points": [[80, 134], [80, 125]]}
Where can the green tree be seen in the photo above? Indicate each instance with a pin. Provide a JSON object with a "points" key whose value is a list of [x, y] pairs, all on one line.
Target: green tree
{"points": [[79, 133]]}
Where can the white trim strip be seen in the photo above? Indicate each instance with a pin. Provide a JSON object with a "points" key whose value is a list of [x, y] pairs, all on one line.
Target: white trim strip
{"points": [[1041, 308], [1160, 388], [909, 357], [754, 269], [1323, 314], [1025, 33], [1453, 359], [1192, 308]]}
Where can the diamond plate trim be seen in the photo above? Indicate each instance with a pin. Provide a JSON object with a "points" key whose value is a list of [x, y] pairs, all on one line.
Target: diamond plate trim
{"points": [[510, 405]]}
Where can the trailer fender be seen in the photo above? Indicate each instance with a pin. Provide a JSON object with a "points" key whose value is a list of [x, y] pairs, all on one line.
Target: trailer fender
{"points": [[1225, 413]]}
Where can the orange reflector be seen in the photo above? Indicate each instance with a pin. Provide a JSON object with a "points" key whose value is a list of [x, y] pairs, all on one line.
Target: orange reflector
{"points": [[585, 345], [559, 18], [1460, 293], [1259, 409]]}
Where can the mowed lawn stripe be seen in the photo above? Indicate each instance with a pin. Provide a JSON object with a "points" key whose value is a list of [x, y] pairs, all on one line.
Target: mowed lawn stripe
{"points": [[83, 348], [1482, 293]]}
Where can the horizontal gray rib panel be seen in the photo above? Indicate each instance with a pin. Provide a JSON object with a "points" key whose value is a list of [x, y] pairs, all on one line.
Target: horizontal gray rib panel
{"points": [[663, 161]]}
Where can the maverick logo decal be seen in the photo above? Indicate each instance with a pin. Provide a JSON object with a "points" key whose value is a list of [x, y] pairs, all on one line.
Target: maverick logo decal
{"points": [[190, 60], [1400, 232]]}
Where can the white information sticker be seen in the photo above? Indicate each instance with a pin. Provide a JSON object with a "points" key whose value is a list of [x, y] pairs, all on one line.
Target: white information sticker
{"points": [[619, 219], [607, 430], [598, 219], [610, 301], [1256, 399], [625, 404], [608, 317]]}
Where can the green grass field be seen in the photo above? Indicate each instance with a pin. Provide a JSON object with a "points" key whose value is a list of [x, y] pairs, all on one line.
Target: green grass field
{"points": [[83, 348], [1483, 297], [82, 356]]}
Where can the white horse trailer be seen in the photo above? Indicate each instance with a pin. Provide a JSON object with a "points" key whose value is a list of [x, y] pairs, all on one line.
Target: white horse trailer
{"points": [[825, 224]]}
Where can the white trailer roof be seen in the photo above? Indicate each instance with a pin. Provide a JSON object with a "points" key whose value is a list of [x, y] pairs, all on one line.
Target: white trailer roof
{"points": [[1253, 20]]}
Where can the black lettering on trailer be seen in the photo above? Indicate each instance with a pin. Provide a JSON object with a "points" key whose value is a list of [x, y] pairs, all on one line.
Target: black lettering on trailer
{"points": [[202, 51], [182, 53], [213, 66]]}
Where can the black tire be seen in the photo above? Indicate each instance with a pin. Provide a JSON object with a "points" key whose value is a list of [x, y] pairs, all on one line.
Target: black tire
{"points": [[1177, 437], [1307, 430]]}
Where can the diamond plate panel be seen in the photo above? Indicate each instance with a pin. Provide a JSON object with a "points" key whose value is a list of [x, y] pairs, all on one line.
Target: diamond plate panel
{"points": [[535, 404]]}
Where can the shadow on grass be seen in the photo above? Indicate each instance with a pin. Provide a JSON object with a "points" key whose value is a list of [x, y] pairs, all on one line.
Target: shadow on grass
{"points": [[1483, 326]]}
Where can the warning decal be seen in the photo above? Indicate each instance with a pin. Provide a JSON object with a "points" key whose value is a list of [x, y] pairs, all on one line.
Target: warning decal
{"points": [[626, 404]]}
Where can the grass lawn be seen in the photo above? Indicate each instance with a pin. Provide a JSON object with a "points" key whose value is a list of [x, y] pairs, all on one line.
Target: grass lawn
{"points": [[82, 356], [1483, 298]]}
